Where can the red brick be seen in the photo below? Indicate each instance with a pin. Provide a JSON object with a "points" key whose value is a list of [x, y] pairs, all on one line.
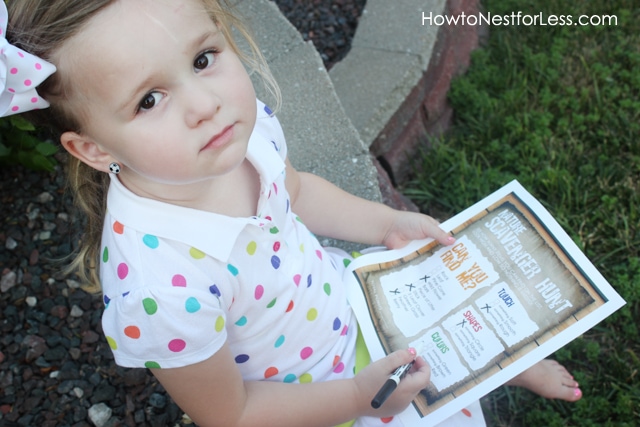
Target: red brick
{"points": [[391, 196]]}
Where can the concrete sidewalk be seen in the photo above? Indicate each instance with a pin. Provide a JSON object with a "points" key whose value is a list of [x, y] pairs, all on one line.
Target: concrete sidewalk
{"points": [[331, 119], [389, 55], [320, 136]]}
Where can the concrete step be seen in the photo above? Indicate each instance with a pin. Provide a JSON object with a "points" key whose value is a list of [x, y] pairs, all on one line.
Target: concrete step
{"points": [[320, 136]]}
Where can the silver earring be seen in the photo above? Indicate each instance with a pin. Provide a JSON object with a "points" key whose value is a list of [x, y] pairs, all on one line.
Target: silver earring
{"points": [[114, 168]]}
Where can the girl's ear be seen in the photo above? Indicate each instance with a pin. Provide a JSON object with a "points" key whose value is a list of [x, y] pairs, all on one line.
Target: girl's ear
{"points": [[86, 150]]}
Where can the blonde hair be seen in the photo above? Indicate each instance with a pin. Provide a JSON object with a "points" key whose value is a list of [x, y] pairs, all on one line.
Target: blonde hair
{"points": [[41, 27]]}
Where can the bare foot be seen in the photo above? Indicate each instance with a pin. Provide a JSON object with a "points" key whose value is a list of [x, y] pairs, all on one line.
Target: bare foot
{"points": [[549, 379]]}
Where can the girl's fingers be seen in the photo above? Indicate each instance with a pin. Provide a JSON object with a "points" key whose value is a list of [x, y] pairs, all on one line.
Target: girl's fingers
{"points": [[420, 375]]}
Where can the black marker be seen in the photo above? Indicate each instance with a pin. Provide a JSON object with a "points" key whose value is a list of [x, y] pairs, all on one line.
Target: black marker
{"points": [[390, 385]]}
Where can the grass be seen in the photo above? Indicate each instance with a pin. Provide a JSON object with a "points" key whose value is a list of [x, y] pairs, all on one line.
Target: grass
{"points": [[558, 108]]}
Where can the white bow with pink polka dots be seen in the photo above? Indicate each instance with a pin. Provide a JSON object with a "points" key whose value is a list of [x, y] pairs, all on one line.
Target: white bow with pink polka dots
{"points": [[20, 74]]}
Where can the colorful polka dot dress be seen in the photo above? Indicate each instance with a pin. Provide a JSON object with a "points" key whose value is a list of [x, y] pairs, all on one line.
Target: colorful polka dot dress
{"points": [[178, 283]]}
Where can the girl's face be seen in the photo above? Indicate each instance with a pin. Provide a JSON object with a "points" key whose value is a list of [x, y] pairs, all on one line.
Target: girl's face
{"points": [[158, 90]]}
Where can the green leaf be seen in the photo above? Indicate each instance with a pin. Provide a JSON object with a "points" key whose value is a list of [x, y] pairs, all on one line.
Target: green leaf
{"points": [[40, 162], [46, 148], [21, 123], [4, 150]]}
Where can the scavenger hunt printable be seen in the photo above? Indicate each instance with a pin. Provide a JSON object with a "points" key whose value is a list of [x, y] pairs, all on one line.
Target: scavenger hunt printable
{"points": [[510, 291]]}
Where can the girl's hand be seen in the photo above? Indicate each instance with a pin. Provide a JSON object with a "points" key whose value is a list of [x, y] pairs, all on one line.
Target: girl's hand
{"points": [[408, 226], [370, 379]]}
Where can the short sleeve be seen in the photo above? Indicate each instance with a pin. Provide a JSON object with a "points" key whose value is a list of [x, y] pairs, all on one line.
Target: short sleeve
{"points": [[164, 327], [165, 302]]}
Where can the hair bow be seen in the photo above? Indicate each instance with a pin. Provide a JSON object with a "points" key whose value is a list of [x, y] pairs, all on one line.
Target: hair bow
{"points": [[20, 74]]}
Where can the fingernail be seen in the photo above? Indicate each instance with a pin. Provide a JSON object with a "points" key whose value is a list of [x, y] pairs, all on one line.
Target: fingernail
{"points": [[451, 239], [412, 351]]}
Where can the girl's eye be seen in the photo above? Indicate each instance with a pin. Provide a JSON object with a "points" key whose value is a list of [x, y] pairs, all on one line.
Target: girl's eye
{"points": [[149, 101], [204, 60]]}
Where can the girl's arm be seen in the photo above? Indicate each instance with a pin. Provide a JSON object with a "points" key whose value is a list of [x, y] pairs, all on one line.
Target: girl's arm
{"points": [[213, 393], [332, 212]]}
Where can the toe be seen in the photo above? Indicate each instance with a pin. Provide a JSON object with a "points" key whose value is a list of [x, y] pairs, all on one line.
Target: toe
{"points": [[570, 394], [576, 395]]}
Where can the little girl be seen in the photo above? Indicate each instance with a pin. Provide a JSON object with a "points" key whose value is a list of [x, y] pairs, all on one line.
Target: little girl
{"points": [[198, 227]]}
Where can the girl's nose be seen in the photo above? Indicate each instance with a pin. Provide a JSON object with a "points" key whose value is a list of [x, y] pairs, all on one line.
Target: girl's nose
{"points": [[201, 103]]}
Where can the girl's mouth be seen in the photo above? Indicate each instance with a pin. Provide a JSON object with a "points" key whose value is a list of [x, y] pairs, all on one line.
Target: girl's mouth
{"points": [[221, 139]]}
